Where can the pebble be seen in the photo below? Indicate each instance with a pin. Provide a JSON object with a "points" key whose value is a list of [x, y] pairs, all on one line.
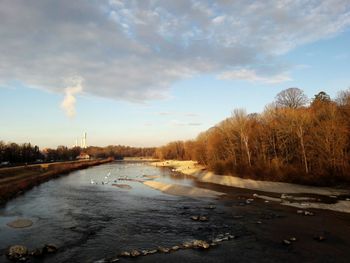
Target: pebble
{"points": [[200, 244], [320, 238], [113, 260], [124, 254], [187, 245], [203, 218], [164, 249], [175, 248], [286, 242], [135, 253]]}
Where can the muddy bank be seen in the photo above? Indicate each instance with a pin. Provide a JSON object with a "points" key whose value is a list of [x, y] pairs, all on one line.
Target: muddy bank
{"points": [[16, 180]]}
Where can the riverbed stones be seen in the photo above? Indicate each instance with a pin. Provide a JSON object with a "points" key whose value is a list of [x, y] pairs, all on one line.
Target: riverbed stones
{"points": [[20, 223], [17, 253]]}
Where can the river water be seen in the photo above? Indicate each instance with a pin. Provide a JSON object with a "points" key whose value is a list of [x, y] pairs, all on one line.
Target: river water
{"points": [[89, 221]]}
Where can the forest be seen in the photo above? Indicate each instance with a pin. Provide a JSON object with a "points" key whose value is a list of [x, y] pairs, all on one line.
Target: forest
{"points": [[294, 139]]}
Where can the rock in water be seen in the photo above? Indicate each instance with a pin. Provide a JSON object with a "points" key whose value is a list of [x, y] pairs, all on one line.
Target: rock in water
{"points": [[17, 252], [124, 254], [203, 218], [164, 249], [195, 218], [20, 223], [49, 249], [175, 248], [200, 244], [135, 253]]}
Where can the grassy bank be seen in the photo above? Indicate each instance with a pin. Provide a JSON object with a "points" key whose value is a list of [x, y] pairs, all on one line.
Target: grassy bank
{"points": [[16, 180]]}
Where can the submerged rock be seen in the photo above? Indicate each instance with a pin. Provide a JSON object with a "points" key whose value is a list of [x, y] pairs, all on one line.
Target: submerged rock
{"points": [[17, 253], [20, 223], [123, 186]]}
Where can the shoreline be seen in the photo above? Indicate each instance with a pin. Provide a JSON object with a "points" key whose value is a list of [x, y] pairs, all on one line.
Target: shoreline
{"points": [[340, 202], [17, 180], [199, 172]]}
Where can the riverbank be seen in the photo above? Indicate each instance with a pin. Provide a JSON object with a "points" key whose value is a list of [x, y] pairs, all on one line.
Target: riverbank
{"points": [[16, 180], [283, 193]]}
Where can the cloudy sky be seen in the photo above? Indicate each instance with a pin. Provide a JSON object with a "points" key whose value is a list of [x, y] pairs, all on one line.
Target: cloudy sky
{"points": [[146, 72]]}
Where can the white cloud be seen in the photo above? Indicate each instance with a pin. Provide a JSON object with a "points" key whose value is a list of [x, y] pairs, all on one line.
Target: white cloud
{"points": [[135, 50], [252, 76], [74, 87]]}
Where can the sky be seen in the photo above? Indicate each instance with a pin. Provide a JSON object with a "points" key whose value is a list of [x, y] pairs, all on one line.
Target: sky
{"points": [[143, 73]]}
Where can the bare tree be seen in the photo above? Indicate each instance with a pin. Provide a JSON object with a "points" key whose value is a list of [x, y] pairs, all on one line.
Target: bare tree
{"points": [[291, 98]]}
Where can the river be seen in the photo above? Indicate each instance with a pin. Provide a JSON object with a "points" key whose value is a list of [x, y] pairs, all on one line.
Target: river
{"points": [[90, 222]]}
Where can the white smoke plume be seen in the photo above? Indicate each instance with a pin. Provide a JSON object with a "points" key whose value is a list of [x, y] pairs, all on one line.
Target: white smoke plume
{"points": [[74, 87]]}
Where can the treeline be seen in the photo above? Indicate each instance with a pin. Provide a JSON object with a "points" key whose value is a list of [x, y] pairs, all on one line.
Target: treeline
{"points": [[13, 153], [19, 153], [295, 140], [119, 151]]}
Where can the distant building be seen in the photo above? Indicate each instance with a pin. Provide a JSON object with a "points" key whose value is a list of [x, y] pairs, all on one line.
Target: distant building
{"points": [[83, 156]]}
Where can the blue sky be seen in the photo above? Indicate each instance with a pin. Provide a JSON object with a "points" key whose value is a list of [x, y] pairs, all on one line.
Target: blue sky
{"points": [[139, 74]]}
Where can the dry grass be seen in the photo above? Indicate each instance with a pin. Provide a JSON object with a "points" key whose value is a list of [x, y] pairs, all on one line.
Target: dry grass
{"points": [[16, 180]]}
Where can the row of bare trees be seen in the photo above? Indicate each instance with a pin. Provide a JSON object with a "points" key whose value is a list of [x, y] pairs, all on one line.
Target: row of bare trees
{"points": [[292, 140]]}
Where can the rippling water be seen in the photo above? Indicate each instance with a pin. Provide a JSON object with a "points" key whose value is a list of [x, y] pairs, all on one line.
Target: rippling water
{"points": [[89, 222]]}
